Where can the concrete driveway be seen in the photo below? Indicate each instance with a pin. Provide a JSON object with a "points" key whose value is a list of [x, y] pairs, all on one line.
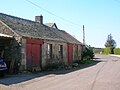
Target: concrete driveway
{"points": [[105, 75]]}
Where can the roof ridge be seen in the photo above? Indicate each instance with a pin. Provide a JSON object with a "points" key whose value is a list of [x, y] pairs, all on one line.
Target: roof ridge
{"points": [[18, 17]]}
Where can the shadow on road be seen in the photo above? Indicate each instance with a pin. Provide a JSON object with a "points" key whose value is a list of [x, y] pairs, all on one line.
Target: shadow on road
{"points": [[22, 77]]}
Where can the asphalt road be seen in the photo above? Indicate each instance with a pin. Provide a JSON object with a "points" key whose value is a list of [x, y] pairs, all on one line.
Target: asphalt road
{"points": [[105, 75]]}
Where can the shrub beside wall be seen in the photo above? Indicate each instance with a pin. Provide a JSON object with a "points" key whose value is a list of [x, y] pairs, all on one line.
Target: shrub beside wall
{"points": [[88, 53], [117, 51]]}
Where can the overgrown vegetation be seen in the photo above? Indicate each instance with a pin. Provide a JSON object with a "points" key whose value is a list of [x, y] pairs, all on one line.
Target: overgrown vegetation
{"points": [[88, 53], [87, 56]]}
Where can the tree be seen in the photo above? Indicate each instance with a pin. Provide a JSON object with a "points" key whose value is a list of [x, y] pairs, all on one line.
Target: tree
{"points": [[110, 43]]}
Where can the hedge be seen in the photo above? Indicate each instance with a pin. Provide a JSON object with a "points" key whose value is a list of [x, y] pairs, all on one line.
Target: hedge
{"points": [[107, 50], [117, 51]]}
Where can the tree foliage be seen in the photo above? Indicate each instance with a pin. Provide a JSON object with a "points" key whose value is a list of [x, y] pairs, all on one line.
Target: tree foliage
{"points": [[110, 43]]}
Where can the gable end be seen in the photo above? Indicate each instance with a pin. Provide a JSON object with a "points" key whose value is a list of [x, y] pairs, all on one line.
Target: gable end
{"points": [[4, 29]]}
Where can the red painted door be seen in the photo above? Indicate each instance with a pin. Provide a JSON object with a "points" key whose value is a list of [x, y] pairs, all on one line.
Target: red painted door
{"points": [[35, 55], [33, 52], [70, 53], [28, 55]]}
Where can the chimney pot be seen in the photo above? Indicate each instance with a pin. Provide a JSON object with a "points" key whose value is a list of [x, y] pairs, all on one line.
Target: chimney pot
{"points": [[39, 19]]}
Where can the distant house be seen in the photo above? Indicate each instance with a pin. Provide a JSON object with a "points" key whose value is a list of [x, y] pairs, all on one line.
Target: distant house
{"points": [[31, 45], [53, 25], [98, 50]]}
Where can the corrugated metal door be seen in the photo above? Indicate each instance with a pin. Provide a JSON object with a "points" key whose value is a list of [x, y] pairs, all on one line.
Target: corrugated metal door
{"points": [[70, 53]]}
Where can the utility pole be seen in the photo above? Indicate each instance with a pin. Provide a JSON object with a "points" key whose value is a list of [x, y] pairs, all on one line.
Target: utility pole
{"points": [[83, 35]]}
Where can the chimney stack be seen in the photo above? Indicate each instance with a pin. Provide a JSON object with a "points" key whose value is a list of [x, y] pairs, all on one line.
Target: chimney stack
{"points": [[39, 19]]}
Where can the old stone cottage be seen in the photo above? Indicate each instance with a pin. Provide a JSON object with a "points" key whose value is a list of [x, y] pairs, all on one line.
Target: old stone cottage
{"points": [[31, 45]]}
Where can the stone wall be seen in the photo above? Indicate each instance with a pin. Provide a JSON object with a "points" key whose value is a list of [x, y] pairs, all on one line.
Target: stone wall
{"points": [[55, 60], [77, 51], [80, 51], [23, 55]]}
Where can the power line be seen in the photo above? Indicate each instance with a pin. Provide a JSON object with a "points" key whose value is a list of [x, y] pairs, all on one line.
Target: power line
{"points": [[52, 13]]}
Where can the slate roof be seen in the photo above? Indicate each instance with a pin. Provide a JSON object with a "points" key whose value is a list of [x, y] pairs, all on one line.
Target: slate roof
{"points": [[30, 28]]}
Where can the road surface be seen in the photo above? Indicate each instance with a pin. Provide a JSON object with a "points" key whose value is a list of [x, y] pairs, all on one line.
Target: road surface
{"points": [[105, 75]]}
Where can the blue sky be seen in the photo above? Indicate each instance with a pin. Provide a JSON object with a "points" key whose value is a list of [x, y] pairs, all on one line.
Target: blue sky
{"points": [[100, 17]]}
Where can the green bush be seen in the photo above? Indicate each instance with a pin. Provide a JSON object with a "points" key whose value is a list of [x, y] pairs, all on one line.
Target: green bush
{"points": [[88, 53], [117, 51], [107, 50]]}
